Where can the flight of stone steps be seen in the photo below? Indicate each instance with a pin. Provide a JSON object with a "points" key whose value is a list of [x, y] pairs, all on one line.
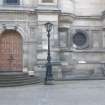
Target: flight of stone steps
{"points": [[8, 79]]}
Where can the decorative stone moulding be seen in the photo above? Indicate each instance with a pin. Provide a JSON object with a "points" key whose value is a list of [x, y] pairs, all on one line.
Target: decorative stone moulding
{"points": [[80, 39], [66, 18], [103, 19]]}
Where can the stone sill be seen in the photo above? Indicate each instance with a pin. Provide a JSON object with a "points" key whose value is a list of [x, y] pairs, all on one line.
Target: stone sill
{"points": [[92, 62], [81, 62], [38, 8], [44, 50], [83, 51], [11, 8], [44, 63], [48, 9]]}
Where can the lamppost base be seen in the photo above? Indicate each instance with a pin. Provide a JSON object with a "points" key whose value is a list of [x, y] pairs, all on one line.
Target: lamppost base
{"points": [[49, 82]]}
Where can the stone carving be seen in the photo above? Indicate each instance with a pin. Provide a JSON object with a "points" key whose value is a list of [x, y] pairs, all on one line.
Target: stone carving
{"points": [[80, 39]]}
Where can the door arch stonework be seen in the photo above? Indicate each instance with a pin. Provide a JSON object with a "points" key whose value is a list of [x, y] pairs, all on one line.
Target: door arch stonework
{"points": [[11, 51]]}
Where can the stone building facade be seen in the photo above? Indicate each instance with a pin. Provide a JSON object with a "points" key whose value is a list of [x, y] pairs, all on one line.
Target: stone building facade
{"points": [[77, 38]]}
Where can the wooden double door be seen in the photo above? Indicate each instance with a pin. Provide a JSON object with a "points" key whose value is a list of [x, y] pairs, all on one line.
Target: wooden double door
{"points": [[10, 51]]}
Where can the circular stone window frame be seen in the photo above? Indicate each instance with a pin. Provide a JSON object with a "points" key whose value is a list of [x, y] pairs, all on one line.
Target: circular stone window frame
{"points": [[86, 45]]}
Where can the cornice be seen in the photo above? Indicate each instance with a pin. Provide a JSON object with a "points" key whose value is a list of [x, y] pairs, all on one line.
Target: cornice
{"points": [[21, 9], [98, 17], [47, 10], [66, 17], [17, 9]]}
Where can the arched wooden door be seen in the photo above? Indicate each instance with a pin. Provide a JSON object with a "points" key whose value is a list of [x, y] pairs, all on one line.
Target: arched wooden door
{"points": [[11, 51]]}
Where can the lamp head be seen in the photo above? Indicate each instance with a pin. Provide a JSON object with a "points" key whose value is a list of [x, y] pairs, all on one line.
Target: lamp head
{"points": [[48, 26]]}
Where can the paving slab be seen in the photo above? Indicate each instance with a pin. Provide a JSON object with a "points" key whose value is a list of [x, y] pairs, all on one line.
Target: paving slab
{"points": [[61, 93]]}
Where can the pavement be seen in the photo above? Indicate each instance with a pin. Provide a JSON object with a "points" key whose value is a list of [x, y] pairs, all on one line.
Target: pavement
{"points": [[90, 92]]}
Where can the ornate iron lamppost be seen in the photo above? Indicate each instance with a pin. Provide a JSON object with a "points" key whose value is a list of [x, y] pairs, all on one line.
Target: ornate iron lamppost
{"points": [[49, 75]]}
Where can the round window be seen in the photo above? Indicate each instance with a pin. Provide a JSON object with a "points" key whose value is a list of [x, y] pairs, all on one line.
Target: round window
{"points": [[79, 39]]}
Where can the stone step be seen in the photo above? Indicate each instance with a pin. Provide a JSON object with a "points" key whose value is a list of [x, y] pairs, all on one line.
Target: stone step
{"points": [[17, 79], [12, 74], [19, 84]]}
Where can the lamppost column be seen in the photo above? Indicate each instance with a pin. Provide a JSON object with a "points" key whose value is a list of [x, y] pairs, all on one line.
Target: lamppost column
{"points": [[49, 75], [49, 56]]}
